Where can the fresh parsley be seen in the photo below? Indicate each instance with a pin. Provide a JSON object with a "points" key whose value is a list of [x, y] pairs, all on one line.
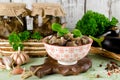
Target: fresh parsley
{"points": [[95, 24], [16, 39], [36, 35]]}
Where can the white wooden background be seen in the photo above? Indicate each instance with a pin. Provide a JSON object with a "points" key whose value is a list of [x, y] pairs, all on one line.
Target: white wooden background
{"points": [[76, 8]]}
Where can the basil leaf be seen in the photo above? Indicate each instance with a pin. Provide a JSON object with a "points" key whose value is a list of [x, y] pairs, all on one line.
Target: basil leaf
{"points": [[77, 33], [64, 30], [56, 27], [60, 34]]}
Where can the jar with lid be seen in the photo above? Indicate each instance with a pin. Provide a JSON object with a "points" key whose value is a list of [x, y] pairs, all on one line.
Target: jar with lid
{"points": [[44, 14], [12, 18]]}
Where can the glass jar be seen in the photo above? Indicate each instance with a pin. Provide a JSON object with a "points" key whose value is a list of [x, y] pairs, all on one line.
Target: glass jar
{"points": [[12, 18]]}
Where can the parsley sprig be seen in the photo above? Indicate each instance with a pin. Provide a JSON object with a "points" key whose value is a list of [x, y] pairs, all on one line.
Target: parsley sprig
{"points": [[16, 40]]}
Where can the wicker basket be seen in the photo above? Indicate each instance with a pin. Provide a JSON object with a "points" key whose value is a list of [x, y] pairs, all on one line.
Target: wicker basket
{"points": [[103, 52], [31, 47]]}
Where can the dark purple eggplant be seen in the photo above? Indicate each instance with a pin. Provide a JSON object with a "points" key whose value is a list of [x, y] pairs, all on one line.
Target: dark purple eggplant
{"points": [[113, 32], [109, 43]]}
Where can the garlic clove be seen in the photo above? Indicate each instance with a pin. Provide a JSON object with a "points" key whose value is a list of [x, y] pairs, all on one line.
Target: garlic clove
{"points": [[22, 58], [8, 62], [2, 66], [17, 70], [1, 61], [26, 57], [19, 61], [11, 55], [15, 56]]}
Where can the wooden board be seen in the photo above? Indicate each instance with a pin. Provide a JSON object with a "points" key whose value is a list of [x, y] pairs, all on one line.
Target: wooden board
{"points": [[115, 9], [101, 6], [4, 0]]}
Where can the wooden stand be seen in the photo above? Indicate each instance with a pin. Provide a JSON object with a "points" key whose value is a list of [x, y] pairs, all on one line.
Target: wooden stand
{"points": [[51, 66]]}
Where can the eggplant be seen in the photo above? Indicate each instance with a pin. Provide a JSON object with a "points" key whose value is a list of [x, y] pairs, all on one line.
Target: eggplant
{"points": [[111, 44], [108, 43], [113, 32]]}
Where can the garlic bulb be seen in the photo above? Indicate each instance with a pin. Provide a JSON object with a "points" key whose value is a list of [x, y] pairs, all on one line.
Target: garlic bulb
{"points": [[20, 58]]}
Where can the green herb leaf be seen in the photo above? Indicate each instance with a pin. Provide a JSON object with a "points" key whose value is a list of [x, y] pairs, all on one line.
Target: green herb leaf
{"points": [[24, 35], [114, 21], [13, 37], [36, 35], [60, 34], [64, 30], [98, 40], [95, 24], [15, 41], [56, 27], [16, 45], [77, 33]]}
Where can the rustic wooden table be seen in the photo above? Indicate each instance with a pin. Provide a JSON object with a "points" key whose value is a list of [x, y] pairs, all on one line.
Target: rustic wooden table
{"points": [[96, 72]]}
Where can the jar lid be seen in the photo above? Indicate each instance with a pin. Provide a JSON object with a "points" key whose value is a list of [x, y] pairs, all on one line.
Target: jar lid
{"points": [[43, 9], [12, 9]]}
